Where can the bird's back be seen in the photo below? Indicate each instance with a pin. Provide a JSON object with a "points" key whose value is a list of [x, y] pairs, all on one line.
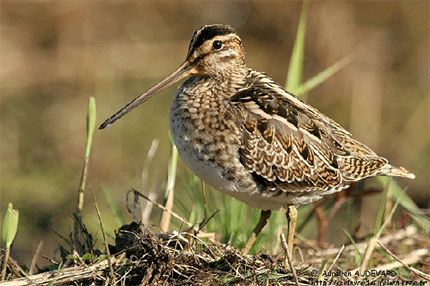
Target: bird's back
{"points": [[291, 147]]}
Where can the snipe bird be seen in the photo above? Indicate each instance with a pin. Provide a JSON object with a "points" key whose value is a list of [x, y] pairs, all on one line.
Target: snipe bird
{"points": [[248, 137]]}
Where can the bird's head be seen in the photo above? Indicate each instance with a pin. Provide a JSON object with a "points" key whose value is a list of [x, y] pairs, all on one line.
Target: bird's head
{"points": [[215, 51]]}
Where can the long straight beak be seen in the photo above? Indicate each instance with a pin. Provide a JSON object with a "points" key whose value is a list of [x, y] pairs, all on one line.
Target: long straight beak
{"points": [[185, 70]]}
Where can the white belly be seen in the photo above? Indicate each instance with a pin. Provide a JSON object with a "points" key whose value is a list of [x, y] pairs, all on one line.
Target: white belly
{"points": [[196, 161], [203, 169]]}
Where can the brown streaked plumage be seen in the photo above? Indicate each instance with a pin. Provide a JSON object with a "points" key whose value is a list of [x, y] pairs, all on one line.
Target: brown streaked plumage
{"points": [[245, 135]]}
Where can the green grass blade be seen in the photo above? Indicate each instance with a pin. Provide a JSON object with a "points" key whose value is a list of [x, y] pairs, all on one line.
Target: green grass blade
{"points": [[170, 185], [323, 76], [10, 225], [357, 257], [381, 209], [91, 124], [295, 68], [407, 203], [9, 229], [171, 170], [113, 206]]}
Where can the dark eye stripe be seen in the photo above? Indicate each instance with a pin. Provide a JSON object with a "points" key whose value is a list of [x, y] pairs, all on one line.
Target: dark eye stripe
{"points": [[206, 33]]}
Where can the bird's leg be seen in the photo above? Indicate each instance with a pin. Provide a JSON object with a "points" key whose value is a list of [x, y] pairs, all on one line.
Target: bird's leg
{"points": [[322, 224], [340, 200], [292, 221], [264, 216]]}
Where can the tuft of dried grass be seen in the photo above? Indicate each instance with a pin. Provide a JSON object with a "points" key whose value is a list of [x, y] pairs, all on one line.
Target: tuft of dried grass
{"points": [[140, 256]]}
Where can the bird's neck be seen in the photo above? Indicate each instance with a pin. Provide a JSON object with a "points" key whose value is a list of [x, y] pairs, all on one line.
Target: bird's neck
{"points": [[230, 80]]}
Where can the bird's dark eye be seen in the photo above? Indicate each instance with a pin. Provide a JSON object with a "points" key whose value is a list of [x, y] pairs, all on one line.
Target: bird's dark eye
{"points": [[217, 45]]}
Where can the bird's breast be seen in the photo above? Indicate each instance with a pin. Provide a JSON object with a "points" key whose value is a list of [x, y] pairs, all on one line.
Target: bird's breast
{"points": [[202, 138]]}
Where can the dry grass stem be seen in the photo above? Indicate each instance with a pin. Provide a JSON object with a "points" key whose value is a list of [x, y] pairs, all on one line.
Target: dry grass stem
{"points": [[409, 231], [112, 274], [167, 212], [63, 276], [164, 209], [336, 258], [148, 185], [288, 258], [372, 242], [412, 258], [35, 257], [5, 263]]}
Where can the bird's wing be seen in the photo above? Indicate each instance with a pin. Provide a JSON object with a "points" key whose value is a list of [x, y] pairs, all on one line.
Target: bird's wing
{"points": [[291, 146]]}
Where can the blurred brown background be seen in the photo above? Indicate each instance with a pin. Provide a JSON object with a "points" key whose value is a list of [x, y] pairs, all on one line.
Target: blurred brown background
{"points": [[56, 54]]}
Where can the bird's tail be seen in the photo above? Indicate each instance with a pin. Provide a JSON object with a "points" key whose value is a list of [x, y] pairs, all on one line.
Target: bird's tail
{"points": [[389, 170]]}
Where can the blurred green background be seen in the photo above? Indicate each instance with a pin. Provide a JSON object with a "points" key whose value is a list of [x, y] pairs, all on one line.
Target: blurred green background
{"points": [[56, 54]]}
